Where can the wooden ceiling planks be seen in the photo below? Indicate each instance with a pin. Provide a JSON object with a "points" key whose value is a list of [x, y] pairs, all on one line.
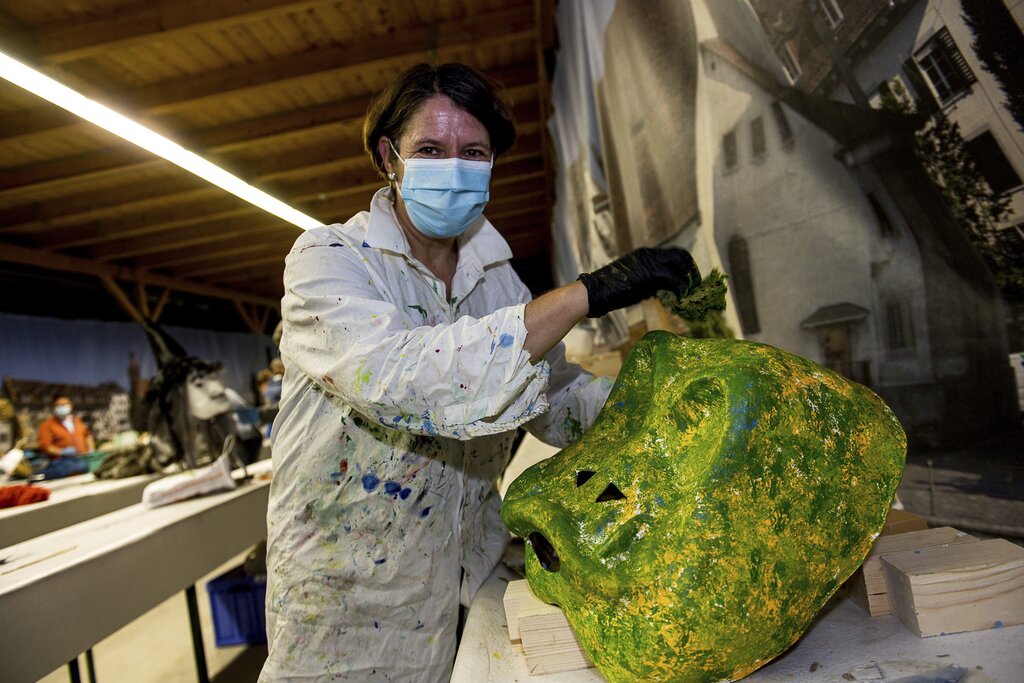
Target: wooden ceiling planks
{"points": [[273, 90]]}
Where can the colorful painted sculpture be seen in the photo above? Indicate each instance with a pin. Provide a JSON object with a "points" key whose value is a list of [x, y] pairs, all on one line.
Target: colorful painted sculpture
{"points": [[725, 491]]}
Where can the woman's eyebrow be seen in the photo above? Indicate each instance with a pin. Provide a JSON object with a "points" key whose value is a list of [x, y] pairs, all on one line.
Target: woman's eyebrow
{"points": [[419, 142]]}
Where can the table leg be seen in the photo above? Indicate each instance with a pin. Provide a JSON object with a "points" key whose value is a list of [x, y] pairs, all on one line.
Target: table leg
{"points": [[90, 666], [197, 634], [73, 673]]}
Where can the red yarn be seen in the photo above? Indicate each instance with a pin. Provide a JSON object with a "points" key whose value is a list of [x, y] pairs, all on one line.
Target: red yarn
{"points": [[22, 494]]}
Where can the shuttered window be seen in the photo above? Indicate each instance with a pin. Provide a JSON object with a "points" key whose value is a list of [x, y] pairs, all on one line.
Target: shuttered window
{"points": [[757, 140], [945, 66], [742, 283], [729, 151]]}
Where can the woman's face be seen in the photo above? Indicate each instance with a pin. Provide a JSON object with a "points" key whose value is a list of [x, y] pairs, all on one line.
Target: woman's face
{"points": [[439, 129]]}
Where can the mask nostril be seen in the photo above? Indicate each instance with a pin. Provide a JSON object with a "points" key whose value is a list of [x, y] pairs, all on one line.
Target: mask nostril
{"points": [[611, 492], [583, 476], [545, 552]]}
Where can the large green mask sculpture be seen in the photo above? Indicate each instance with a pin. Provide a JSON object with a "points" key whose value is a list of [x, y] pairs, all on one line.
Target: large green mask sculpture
{"points": [[725, 491]]}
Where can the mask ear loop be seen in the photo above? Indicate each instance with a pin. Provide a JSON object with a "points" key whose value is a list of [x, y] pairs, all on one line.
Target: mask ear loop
{"points": [[392, 146], [392, 176]]}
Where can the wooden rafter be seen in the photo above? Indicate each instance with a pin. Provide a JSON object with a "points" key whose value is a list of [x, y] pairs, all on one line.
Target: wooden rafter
{"points": [[50, 261], [75, 199], [161, 98]]}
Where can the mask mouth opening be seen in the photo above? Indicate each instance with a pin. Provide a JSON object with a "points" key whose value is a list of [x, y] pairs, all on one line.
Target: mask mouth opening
{"points": [[545, 552]]}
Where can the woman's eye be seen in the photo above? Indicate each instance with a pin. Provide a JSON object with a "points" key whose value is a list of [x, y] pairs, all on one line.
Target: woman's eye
{"points": [[428, 151]]}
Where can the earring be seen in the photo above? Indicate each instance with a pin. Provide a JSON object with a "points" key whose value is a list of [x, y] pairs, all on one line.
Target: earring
{"points": [[391, 176]]}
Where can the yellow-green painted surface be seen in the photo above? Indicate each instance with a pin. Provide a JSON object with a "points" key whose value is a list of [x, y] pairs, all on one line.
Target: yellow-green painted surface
{"points": [[724, 493]]}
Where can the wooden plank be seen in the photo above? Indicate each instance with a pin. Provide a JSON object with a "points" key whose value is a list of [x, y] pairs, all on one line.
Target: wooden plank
{"points": [[867, 586], [516, 593], [955, 588]]}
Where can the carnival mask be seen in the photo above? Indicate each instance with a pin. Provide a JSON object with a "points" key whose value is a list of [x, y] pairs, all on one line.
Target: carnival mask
{"points": [[725, 491]]}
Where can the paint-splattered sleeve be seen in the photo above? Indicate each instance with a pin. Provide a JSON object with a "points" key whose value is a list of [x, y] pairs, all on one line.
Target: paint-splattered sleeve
{"points": [[575, 396], [461, 380]]}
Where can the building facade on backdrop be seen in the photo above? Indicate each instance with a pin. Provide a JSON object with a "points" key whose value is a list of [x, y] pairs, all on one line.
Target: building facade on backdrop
{"points": [[859, 51], [836, 243]]}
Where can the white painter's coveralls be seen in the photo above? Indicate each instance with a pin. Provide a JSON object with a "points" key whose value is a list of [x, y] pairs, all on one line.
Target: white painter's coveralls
{"points": [[397, 418]]}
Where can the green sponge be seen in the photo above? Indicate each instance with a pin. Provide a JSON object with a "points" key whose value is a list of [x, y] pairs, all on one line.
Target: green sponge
{"points": [[708, 296]]}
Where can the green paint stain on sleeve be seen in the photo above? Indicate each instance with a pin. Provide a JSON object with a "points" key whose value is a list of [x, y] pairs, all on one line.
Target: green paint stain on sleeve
{"points": [[362, 378]]}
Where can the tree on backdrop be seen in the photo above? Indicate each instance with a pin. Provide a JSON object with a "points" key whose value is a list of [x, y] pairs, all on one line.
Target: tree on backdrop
{"points": [[977, 208], [999, 45]]}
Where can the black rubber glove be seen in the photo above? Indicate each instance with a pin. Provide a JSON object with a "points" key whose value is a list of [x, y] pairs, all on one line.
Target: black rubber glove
{"points": [[638, 275]]}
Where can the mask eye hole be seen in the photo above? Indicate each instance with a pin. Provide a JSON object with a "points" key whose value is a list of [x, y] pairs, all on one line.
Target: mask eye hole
{"points": [[583, 476], [611, 492]]}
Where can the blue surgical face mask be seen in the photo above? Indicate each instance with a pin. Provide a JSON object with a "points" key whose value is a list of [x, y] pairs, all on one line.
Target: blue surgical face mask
{"points": [[444, 196], [62, 411]]}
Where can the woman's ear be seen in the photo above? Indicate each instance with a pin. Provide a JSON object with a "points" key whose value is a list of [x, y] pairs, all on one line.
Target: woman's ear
{"points": [[384, 150]]}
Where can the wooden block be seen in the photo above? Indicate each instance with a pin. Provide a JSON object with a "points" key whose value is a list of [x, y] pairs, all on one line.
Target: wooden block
{"points": [[541, 633], [901, 521], [960, 587], [549, 643], [867, 586], [516, 593]]}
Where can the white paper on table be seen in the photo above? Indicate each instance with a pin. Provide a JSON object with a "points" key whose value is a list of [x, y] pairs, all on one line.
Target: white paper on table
{"points": [[190, 483]]}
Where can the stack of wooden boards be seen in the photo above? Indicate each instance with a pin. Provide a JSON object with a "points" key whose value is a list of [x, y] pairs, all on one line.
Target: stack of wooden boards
{"points": [[941, 580], [541, 633]]}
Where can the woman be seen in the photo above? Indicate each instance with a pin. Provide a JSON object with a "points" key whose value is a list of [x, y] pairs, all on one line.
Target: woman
{"points": [[413, 352]]}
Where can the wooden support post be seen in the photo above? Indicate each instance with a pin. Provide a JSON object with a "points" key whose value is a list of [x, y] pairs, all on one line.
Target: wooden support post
{"points": [[246, 316], [159, 308], [121, 297], [141, 298]]}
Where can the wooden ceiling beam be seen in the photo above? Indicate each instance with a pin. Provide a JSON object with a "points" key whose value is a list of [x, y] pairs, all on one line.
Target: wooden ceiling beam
{"points": [[69, 172], [212, 141], [71, 264], [258, 240], [213, 204], [337, 207], [233, 258], [184, 187], [153, 21], [409, 43], [228, 271]]}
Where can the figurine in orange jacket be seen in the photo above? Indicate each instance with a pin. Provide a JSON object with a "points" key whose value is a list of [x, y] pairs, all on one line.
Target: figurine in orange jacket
{"points": [[64, 433]]}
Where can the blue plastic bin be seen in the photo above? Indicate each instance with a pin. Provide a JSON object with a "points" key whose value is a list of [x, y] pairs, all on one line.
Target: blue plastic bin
{"points": [[237, 603]]}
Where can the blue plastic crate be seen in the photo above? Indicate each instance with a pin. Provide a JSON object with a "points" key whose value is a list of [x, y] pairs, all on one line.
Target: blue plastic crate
{"points": [[238, 604]]}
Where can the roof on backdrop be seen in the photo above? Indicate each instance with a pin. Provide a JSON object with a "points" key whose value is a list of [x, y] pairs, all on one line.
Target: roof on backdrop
{"points": [[274, 91]]}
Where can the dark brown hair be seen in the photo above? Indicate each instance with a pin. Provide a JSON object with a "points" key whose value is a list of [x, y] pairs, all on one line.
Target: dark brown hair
{"points": [[467, 88]]}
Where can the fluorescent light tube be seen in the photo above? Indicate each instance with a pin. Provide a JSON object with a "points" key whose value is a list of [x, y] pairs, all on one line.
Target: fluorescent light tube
{"points": [[104, 117]]}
